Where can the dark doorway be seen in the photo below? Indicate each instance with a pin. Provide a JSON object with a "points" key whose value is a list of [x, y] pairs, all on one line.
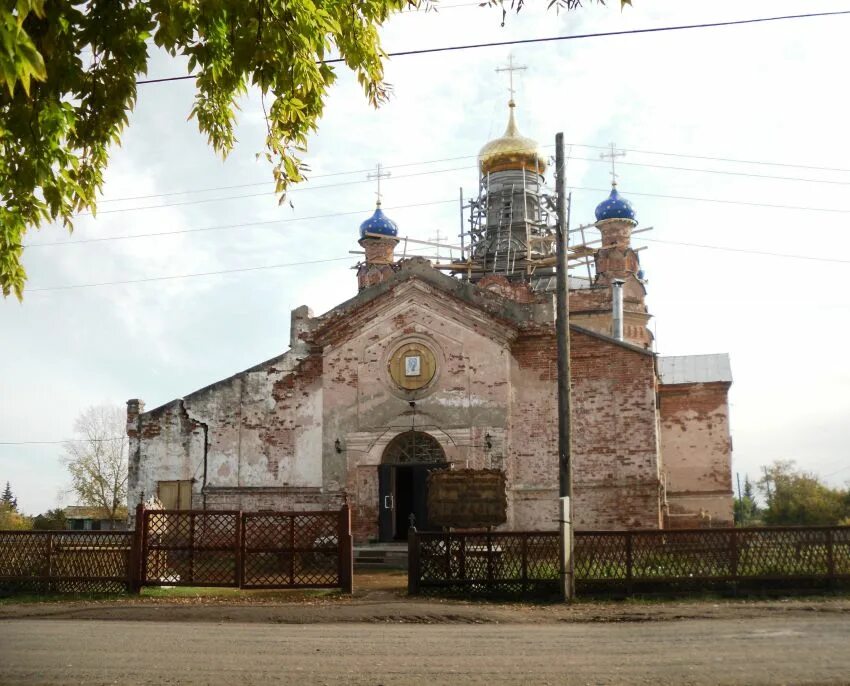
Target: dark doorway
{"points": [[404, 500], [403, 483]]}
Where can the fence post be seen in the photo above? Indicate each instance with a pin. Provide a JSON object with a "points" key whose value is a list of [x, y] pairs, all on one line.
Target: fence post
{"points": [[830, 556], [240, 549], [414, 567], [134, 573], [629, 562], [143, 562], [346, 550]]}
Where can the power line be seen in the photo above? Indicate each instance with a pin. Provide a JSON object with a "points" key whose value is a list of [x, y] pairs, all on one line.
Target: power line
{"points": [[766, 253], [256, 195], [724, 172], [837, 471], [339, 259], [719, 159], [442, 171], [527, 41], [718, 200], [67, 440], [187, 276], [223, 227]]}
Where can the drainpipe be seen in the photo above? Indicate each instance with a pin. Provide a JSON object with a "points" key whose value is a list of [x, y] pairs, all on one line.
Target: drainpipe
{"points": [[617, 308]]}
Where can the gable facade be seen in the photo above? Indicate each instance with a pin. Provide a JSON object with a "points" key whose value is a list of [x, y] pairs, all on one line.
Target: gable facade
{"points": [[311, 428]]}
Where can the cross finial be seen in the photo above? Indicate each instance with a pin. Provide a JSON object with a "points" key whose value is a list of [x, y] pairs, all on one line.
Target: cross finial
{"points": [[613, 155], [511, 68], [378, 174]]}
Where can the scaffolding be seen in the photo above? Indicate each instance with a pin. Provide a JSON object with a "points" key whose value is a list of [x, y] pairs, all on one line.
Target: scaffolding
{"points": [[509, 229]]}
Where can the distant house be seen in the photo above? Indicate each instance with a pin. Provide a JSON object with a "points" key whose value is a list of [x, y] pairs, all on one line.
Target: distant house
{"points": [[82, 518]]}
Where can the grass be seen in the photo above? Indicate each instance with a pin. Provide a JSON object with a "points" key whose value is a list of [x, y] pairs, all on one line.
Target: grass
{"points": [[181, 595]]}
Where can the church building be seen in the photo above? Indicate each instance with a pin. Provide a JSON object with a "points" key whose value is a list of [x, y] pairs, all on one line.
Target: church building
{"points": [[441, 365]]}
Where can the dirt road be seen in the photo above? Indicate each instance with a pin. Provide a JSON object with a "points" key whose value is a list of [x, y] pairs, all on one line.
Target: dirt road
{"points": [[765, 650]]}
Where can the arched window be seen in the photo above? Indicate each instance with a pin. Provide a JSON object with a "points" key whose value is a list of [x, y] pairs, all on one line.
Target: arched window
{"points": [[413, 447]]}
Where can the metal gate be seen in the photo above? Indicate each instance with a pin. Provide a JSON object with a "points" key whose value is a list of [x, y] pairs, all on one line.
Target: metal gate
{"points": [[246, 549]]}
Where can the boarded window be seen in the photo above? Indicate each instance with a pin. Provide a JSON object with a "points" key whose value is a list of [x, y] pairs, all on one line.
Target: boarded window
{"points": [[175, 495]]}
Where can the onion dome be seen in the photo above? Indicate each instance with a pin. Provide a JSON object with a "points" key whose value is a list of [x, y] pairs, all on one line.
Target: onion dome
{"points": [[615, 207], [511, 151], [379, 223]]}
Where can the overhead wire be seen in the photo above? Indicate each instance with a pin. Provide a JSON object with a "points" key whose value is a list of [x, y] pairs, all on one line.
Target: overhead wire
{"points": [[349, 257], [240, 225], [749, 251], [550, 39], [724, 172], [67, 440], [200, 201]]}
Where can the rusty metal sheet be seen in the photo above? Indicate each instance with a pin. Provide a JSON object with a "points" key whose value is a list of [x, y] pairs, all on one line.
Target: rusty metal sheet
{"points": [[467, 498]]}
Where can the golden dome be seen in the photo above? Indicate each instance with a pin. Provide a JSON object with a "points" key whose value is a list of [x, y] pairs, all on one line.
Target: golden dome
{"points": [[511, 151]]}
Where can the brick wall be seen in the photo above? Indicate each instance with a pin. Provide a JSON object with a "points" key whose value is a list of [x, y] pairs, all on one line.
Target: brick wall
{"points": [[614, 451], [615, 441], [696, 447]]}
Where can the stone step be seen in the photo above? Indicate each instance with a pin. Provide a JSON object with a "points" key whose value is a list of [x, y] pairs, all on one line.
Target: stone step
{"points": [[386, 556]]}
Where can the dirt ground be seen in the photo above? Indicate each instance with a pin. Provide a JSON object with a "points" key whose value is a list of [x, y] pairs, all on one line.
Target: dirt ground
{"points": [[382, 598], [697, 652]]}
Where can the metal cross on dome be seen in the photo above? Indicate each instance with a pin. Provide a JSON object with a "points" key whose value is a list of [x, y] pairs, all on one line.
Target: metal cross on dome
{"points": [[511, 68], [613, 155], [378, 174]]}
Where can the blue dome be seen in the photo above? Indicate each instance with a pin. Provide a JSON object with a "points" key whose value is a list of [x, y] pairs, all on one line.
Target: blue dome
{"points": [[615, 207], [379, 223]]}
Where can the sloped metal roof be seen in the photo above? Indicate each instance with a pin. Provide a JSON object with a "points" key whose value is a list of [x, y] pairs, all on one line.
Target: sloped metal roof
{"points": [[695, 369]]}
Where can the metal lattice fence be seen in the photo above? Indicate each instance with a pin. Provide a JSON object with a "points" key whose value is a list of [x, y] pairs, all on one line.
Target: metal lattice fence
{"points": [[66, 561], [190, 548], [291, 549], [527, 563], [185, 548]]}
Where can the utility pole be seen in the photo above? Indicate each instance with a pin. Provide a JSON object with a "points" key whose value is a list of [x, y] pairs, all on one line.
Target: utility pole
{"points": [[562, 330]]}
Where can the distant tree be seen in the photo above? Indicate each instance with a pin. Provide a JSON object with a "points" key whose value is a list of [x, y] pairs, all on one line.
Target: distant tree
{"points": [[52, 520], [798, 497], [11, 519], [97, 460], [8, 499], [746, 508]]}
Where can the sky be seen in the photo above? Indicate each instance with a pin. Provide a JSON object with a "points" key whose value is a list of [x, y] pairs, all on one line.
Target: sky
{"points": [[735, 138]]}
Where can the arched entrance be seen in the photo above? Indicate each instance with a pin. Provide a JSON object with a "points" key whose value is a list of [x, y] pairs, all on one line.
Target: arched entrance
{"points": [[403, 482]]}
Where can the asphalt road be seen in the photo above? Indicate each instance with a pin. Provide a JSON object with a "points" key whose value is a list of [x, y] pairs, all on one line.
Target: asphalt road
{"points": [[772, 650]]}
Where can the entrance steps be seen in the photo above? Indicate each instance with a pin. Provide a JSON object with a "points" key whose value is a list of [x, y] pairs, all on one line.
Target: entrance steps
{"points": [[380, 556]]}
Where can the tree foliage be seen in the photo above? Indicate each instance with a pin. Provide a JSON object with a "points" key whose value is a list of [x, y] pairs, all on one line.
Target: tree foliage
{"points": [[798, 497], [69, 71], [8, 498], [746, 508], [52, 520], [97, 461]]}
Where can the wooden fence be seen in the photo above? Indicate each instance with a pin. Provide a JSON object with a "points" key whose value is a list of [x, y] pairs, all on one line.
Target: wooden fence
{"points": [[625, 562], [185, 548], [66, 561]]}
